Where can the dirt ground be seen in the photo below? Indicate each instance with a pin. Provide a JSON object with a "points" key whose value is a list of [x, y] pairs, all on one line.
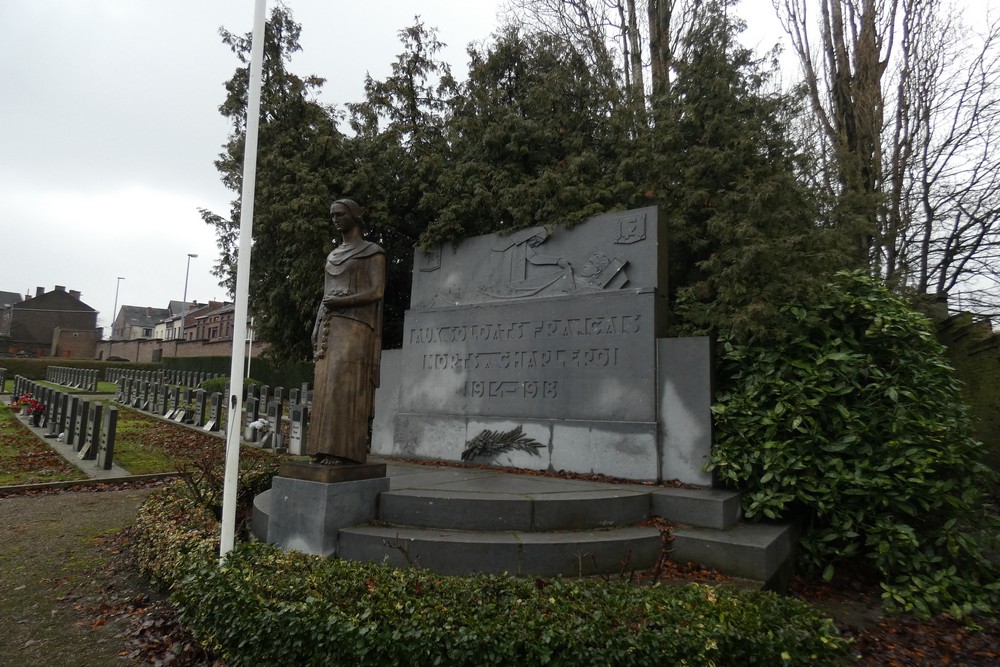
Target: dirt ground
{"points": [[56, 577]]}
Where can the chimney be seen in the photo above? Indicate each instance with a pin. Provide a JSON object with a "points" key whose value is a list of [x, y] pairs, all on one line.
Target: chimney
{"points": [[39, 291], [60, 288], [75, 294]]}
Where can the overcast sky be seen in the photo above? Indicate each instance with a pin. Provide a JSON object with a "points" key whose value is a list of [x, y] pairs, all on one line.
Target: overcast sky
{"points": [[109, 126]]}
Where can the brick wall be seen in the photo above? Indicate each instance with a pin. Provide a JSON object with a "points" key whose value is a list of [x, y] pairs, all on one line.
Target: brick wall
{"points": [[154, 350], [75, 344], [974, 351]]}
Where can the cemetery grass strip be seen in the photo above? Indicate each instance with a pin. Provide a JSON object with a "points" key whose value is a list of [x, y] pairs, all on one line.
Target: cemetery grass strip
{"points": [[131, 449], [145, 444], [25, 459]]}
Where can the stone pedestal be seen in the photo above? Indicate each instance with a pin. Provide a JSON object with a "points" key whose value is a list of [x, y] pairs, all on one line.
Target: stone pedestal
{"points": [[307, 515], [313, 472]]}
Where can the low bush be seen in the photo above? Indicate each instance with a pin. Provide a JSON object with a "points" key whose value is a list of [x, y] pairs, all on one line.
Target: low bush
{"points": [[265, 606], [269, 607], [855, 426], [181, 520], [169, 529], [218, 384]]}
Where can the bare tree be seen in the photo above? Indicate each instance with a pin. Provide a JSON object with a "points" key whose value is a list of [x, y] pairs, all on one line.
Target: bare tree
{"points": [[910, 127], [615, 34], [587, 24], [945, 234], [843, 67]]}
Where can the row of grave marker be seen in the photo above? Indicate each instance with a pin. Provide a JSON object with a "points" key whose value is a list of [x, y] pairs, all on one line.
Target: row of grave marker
{"points": [[88, 426], [76, 378], [200, 409], [193, 379], [180, 404], [170, 376]]}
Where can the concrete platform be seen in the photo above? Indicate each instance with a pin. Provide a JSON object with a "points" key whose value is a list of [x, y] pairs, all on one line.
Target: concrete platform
{"points": [[756, 551], [459, 520], [529, 510]]}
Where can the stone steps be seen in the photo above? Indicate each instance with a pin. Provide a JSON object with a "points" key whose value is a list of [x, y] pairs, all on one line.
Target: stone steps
{"points": [[573, 553], [759, 551], [471, 511], [460, 521]]}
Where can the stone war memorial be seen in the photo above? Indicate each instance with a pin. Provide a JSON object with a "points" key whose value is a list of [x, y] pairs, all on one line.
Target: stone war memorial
{"points": [[546, 349], [541, 349]]}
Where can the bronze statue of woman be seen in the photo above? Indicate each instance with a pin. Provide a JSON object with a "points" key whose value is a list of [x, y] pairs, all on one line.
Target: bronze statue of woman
{"points": [[347, 343]]}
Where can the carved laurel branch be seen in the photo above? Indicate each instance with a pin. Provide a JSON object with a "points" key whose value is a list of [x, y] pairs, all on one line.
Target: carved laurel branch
{"points": [[492, 443]]}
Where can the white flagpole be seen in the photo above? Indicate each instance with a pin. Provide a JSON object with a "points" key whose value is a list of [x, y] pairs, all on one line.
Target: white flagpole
{"points": [[235, 401]]}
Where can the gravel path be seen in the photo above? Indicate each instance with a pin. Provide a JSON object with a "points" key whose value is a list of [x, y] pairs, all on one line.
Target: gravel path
{"points": [[55, 578]]}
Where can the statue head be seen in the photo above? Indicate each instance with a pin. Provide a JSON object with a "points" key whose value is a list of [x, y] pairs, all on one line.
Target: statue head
{"points": [[346, 214]]}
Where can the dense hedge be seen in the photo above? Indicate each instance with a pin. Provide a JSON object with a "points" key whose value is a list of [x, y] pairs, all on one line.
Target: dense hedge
{"points": [[182, 519], [268, 607], [855, 425], [170, 528], [263, 369], [34, 368]]}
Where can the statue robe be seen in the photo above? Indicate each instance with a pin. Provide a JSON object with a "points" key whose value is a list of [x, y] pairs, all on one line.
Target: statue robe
{"points": [[347, 349]]}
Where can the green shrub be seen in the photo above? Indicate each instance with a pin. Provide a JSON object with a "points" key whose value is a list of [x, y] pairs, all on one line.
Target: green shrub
{"points": [[169, 528], [267, 607], [182, 520], [218, 384], [855, 425], [215, 385]]}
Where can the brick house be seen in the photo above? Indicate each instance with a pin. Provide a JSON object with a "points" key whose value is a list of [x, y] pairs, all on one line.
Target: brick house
{"points": [[8, 299], [201, 323], [215, 325], [33, 325], [135, 322]]}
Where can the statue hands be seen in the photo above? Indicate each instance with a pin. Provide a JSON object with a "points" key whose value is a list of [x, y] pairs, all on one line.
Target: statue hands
{"points": [[334, 298]]}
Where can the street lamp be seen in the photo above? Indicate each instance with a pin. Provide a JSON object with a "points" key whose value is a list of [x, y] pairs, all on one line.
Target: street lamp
{"points": [[190, 255], [114, 311]]}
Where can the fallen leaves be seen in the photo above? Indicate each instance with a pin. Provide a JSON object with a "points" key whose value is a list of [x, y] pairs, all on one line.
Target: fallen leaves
{"points": [[26, 459]]}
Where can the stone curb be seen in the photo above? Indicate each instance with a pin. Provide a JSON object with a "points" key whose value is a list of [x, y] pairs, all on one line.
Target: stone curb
{"points": [[21, 488]]}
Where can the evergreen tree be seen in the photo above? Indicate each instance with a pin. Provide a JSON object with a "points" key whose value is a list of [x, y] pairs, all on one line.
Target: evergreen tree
{"points": [[301, 163], [535, 137], [398, 154], [742, 237]]}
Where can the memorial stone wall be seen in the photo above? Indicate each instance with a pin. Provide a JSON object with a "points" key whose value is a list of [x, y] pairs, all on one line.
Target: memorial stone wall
{"points": [[547, 338]]}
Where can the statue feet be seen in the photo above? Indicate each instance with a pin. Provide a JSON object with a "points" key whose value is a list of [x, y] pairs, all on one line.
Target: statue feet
{"points": [[330, 460]]}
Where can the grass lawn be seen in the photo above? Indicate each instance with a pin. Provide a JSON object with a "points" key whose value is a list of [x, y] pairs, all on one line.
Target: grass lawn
{"points": [[25, 459], [145, 444]]}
